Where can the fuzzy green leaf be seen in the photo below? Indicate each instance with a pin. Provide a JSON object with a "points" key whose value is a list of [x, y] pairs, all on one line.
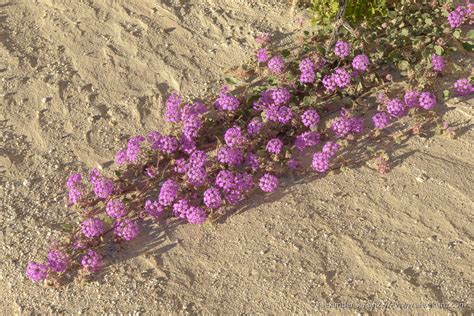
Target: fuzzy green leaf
{"points": [[231, 80]]}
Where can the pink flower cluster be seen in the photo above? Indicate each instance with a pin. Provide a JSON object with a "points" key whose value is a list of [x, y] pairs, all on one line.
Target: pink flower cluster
{"points": [[217, 155]]}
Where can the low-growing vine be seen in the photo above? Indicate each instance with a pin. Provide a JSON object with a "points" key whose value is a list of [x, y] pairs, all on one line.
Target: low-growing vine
{"points": [[284, 105]]}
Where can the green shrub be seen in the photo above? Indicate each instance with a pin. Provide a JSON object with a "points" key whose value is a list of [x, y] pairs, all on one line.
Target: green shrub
{"points": [[356, 10]]}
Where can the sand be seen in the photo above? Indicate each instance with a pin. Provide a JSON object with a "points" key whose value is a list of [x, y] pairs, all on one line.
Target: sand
{"points": [[79, 77]]}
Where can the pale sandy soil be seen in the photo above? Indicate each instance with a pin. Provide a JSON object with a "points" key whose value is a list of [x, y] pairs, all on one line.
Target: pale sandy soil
{"points": [[79, 77]]}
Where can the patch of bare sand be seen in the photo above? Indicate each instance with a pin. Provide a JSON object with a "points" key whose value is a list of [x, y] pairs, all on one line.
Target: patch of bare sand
{"points": [[79, 77]]}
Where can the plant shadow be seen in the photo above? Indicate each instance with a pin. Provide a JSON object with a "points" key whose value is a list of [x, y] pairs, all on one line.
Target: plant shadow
{"points": [[154, 241]]}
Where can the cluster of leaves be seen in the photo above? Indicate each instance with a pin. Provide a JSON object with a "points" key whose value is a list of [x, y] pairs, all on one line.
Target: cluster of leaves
{"points": [[324, 11], [403, 34]]}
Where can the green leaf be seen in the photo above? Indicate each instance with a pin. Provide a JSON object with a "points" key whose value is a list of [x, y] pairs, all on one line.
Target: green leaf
{"points": [[457, 34], [371, 149], [68, 227], [252, 98], [108, 220], [403, 65], [231, 80], [446, 94], [470, 34], [404, 32], [469, 46], [285, 53], [439, 50]]}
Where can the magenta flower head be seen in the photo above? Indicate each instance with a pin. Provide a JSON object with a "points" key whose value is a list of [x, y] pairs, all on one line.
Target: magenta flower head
{"points": [[191, 110], [320, 162], [168, 192], [262, 55], [437, 62], [230, 156], [191, 126], [306, 140], [180, 208], [103, 187], [133, 148], [284, 114], [254, 127], [427, 100], [167, 144], [341, 77], [463, 86], [226, 102], [180, 166], [94, 175], [252, 161], [234, 138], [331, 148], [225, 180], [271, 113], [73, 180], [342, 49], [357, 125], [198, 158], [396, 107], [268, 183], [92, 261], [36, 271], [212, 198], [121, 157], [361, 62], [381, 120], [126, 229], [196, 176], [280, 96], [172, 108], [137, 140], [232, 197], [341, 126], [276, 65], [153, 138], [244, 182], [115, 209], [187, 145], [329, 83], [196, 215], [411, 98], [456, 17], [274, 146], [310, 118], [74, 184], [307, 71], [92, 227], [154, 208], [57, 261]]}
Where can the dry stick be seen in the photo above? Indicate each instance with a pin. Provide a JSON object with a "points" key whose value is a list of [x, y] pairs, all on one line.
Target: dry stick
{"points": [[337, 25]]}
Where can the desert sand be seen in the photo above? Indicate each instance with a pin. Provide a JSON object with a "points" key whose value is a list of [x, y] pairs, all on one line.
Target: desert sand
{"points": [[79, 77]]}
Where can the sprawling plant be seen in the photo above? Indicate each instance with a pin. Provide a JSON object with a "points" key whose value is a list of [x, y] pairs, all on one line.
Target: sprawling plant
{"points": [[283, 106]]}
